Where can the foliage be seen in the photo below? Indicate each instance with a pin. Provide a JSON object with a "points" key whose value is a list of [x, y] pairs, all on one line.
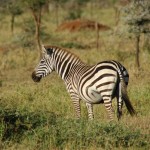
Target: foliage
{"points": [[138, 16], [138, 20], [16, 123], [74, 14], [26, 39], [75, 10], [11, 7], [35, 7], [14, 7], [60, 131], [34, 4]]}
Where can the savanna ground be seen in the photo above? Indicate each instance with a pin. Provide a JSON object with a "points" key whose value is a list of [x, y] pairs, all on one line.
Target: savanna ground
{"points": [[41, 116]]}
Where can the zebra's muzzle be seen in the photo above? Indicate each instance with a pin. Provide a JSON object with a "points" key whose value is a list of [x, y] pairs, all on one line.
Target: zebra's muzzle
{"points": [[35, 78]]}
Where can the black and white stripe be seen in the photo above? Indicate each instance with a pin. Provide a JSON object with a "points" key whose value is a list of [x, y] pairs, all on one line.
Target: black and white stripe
{"points": [[95, 84]]}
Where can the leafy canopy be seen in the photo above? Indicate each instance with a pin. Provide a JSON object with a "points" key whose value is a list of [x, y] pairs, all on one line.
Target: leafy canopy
{"points": [[137, 16]]}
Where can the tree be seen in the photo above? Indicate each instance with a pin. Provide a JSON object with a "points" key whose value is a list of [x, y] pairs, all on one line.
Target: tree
{"points": [[35, 6], [2, 5], [57, 4], [138, 20], [14, 10], [75, 8]]}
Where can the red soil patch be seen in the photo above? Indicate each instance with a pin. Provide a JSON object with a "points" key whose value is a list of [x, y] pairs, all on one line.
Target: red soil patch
{"points": [[3, 48], [76, 25]]}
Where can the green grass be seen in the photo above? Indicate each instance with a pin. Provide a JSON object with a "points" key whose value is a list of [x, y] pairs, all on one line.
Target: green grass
{"points": [[41, 115], [50, 131]]}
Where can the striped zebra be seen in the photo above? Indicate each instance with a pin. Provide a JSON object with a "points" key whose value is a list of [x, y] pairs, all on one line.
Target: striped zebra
{"points": [[95, 84]]}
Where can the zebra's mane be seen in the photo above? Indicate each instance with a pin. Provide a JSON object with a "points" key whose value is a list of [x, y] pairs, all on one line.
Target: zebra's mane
{"points": [[56, 48]]}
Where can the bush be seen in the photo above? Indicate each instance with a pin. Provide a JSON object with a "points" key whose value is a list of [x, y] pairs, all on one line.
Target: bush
{"points": [[54, 131]]}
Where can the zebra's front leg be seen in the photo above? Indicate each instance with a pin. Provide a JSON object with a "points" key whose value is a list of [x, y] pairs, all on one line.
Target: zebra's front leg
{"points": [[75, 99], [90, 111], [76, 103]]}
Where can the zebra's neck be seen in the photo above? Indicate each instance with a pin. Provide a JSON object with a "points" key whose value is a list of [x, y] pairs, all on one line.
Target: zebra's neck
{"points": [[66, 62]]}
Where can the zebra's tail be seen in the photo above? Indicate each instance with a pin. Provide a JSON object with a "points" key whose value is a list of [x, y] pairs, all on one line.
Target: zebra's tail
{"points": [[126, 98]]}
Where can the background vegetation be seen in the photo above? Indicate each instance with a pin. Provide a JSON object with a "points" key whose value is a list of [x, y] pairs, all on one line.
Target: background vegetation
{"points": [[41, 116]]}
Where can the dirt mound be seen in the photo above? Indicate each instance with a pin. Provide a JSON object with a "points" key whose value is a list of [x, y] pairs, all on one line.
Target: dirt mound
{"points": [[76, 25], [2, 48]]}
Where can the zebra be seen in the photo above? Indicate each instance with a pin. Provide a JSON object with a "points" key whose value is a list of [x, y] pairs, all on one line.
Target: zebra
{"points": [[94, 84]]}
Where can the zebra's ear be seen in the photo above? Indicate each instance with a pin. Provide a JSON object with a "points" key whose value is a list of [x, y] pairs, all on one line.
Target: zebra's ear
{"points": [[43, 49], [49, 51]]}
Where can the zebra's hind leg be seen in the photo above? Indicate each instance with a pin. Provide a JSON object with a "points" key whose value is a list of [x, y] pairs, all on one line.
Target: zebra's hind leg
{"points": [[90, 111], [108, 105]]}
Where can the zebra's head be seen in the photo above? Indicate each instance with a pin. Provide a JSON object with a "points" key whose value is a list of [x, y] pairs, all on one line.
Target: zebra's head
{"points": [[45, 66]]}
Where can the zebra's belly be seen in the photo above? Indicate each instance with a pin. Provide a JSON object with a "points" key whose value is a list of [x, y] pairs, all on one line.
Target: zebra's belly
{"points": [[95, 97], [92, 96]]}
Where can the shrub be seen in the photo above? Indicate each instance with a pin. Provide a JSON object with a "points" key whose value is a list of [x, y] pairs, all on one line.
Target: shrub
{"points": [[53, 131]]}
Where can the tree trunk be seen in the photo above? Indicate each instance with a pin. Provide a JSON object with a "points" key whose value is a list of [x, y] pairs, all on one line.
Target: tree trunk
{"points": [[137, 50], [12, 23], [91, 9], [57, 15], [37, 36], [97, 35], [46, 7], [37, 20], [117, 15]]}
